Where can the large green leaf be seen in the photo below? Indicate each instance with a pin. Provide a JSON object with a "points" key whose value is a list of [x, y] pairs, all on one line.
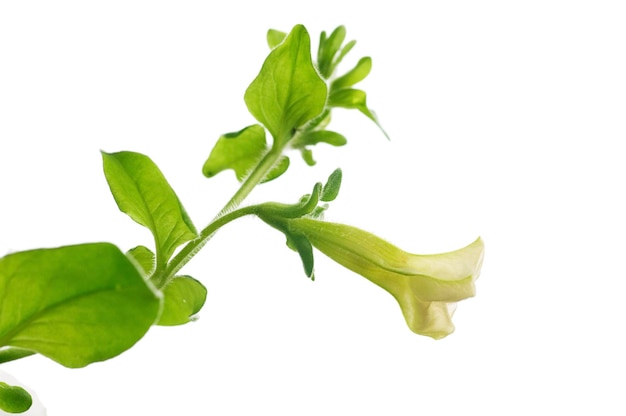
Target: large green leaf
{"points": [[184, 296], [75, 304], [142, 192], [241, 151], [288, 92]]}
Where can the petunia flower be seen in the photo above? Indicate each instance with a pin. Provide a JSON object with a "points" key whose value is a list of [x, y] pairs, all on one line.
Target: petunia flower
{"points": [[427, 287]]}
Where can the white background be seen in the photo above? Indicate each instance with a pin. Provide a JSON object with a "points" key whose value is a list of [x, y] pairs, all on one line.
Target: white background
{"points": [[506, 121]]}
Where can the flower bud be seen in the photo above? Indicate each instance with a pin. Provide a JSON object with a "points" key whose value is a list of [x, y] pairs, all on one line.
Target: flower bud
{"points": [[427, 287]]}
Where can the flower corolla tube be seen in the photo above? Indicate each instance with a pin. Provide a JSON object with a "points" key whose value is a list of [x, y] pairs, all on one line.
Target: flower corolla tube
{"points": [[427, 287]]}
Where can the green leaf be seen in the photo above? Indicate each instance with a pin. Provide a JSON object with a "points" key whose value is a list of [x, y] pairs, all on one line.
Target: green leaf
{"points": [[301, 244], [14, 399], [241, 151], [328, 48], [331, 189], [275, 37], [75, 304], [353, 99], [144, 258], [288, 92], [307, 156], [183, 298], [280, 168], [357, 74], [305, 205], [142, 192], [320, 136], [318, 212], [295, 241], [350, 98], [344, 51], [314, 137]]}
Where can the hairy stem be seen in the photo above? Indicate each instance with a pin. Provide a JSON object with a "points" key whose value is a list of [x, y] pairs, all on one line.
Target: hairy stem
{"points": [[226, 215], [264, 166], [230, 212]]}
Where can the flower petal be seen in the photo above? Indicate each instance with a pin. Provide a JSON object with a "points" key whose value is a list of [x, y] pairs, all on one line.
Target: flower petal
{"points": [[425, 286]]}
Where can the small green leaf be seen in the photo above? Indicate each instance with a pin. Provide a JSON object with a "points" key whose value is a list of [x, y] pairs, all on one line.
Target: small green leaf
{"points": [[318, 212], [357, 74], [344, 51], [305, 205], [320, 136], [295, 241], [307, 156], [183, 298], [350, 98], [328, 48], [314, 137], [75, 304], [288, 92], [301, 244], [331, 189], [144, 258], [142, 192], [241, 151], [275, 37], [353, 99], [14, 399], [280, 168]]}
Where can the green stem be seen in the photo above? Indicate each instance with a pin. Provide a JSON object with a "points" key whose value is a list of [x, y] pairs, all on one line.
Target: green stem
{"points": [[10, 354], [226, 215], [266, 164]]}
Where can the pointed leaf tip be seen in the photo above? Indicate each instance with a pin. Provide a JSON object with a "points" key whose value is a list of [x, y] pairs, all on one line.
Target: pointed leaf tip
{"points": [[288, 91]]}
